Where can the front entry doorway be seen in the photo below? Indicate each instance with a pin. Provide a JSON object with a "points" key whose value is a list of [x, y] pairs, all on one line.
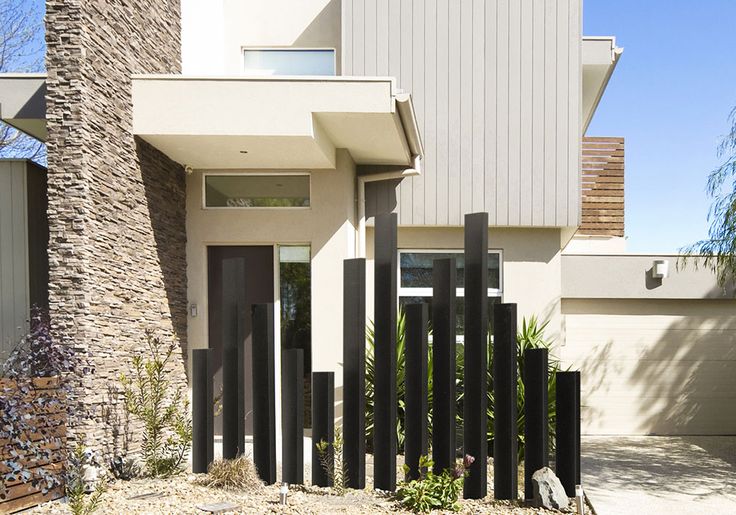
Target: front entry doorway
{"points": [[254, 286]]}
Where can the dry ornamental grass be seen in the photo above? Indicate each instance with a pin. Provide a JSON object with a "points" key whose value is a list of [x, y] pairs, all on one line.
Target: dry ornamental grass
{"points": [[237, 474]]}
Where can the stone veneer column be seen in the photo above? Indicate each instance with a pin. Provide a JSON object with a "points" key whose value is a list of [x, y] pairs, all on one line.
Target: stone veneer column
{"points": [[117, 246]]}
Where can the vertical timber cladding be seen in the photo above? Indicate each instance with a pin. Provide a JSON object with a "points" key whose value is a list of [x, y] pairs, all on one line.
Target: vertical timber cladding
{"points": [[117, 239], [475, 417], [354, 371], [496, 90], [385, 397], [444, 353]]}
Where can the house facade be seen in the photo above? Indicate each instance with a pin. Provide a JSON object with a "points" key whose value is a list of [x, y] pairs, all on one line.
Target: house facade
{"points": [[183, 134]]}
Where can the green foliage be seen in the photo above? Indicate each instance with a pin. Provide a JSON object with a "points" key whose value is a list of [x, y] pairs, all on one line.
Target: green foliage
{"points": [[161, 407], [718, 251], [331, 459], [433, 491], [529, 336], [76, 491]]}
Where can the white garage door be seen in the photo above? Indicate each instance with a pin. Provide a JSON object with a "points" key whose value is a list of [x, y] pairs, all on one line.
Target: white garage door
{"points": [[653, 366]]}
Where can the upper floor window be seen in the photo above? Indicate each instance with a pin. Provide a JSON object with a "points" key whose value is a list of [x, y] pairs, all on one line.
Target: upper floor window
{"points": [[289, 61]]}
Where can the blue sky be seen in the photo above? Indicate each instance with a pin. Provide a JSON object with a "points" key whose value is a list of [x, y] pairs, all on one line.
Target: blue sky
{"points": [[670, 97]]}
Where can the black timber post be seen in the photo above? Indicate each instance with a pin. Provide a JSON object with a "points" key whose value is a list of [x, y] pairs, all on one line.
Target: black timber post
{"points": [[416, 439], [475, 418], [203, 441], [354, 371], [292, 416], [323, 423], [567, 437], [385, 400], [536, 415], [264, 419], [505, 445], [233, 341], [444, 363]]}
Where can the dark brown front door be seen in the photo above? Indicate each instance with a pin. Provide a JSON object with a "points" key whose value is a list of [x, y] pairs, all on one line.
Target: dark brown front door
{"points": [[255, 286]]}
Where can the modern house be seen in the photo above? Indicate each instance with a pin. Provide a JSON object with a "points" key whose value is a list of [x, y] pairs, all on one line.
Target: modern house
{"points": [[181, 134]]}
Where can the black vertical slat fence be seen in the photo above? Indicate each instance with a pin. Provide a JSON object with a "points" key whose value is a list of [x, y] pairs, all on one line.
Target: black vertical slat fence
{"points": [[233, 360], [567, 456], [475, 419], [385, 400], [292, 416], [444, 363], [203, 441], [536, 416], [416, 437], [505, 446], [264, 420], [323, 423], [354, 371]]}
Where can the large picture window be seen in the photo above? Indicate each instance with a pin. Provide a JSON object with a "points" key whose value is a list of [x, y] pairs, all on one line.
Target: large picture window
{"points": [[239, 191], [415, 279]]}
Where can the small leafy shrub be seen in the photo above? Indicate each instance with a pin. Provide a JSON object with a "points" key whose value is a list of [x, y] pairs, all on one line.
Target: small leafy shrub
{"points": [[39, 376], [236, 474], [333, 463], [124, 468], [163, 410], [433, 491], [76, 489]]}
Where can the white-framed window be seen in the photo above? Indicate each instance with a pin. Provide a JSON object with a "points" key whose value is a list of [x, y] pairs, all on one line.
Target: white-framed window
{"points": [[250, 190], [289, 61], [415, 279]]}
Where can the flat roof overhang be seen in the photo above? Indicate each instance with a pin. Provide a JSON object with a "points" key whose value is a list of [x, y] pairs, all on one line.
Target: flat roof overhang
{"points": [[23, 102], [275, 122], [600, 56]]}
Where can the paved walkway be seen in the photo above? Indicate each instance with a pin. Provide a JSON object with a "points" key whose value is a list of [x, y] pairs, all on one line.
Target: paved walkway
{"points": [[655, 475]]}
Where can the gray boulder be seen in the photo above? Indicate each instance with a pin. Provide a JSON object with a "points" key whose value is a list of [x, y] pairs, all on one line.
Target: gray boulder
{"points": [[548, 491]]}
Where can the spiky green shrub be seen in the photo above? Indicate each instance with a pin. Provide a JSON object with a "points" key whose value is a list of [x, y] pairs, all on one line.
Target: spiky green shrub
{"points": [[529, 336], [434, 490], [151, 397]]}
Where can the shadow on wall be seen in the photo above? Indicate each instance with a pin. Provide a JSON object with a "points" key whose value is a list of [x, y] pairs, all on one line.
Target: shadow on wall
{"points": [[656, 366], [164, 183]]}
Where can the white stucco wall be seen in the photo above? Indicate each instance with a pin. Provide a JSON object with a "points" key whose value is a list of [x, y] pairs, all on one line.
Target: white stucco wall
{"points": [[214, 32]]}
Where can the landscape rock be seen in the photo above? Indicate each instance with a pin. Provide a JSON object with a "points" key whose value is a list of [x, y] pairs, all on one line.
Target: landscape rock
{"points": [[548, 490]]}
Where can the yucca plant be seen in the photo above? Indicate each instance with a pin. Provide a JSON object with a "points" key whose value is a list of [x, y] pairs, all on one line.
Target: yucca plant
{"points": [[529, 336]]}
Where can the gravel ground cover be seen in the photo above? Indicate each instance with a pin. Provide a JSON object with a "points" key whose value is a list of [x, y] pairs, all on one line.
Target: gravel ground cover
{"points": [[182, 495]]}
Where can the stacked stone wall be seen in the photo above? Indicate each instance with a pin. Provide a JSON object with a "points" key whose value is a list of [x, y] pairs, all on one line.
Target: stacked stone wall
{"points": [[117, 246]]}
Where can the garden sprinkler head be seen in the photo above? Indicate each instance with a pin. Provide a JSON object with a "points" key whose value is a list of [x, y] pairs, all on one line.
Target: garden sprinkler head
{"points": [[283, 493]]}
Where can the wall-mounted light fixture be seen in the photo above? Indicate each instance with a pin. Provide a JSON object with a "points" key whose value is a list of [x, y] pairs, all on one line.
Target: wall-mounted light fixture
{"points": [[660, 268]]}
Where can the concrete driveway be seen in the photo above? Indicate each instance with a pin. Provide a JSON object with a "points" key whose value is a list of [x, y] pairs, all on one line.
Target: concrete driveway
{"points": [[656, 475]]}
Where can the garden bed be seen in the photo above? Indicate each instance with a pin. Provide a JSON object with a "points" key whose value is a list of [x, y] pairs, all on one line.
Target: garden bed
{"points": [[181, 494]]}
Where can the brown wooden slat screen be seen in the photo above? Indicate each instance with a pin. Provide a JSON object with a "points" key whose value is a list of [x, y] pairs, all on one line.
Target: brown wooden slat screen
{"points": [[602, 187], [51, 421]]}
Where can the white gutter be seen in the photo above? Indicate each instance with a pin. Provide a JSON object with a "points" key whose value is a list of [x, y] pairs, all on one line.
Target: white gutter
{"points": [[405, 109]]}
